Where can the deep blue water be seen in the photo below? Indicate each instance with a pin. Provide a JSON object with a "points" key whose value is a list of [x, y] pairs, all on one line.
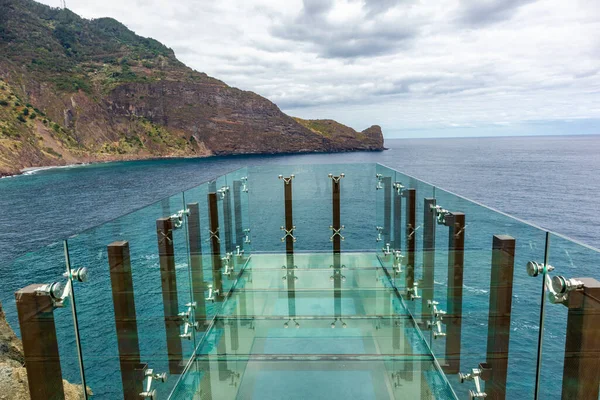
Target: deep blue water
{"points": [[550, 181]]}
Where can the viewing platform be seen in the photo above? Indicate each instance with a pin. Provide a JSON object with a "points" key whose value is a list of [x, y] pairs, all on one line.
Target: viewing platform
{"points": [[343, 281]]}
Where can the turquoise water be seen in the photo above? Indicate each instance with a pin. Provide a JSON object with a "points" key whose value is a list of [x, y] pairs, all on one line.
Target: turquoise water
{"points": [[538, 179]]}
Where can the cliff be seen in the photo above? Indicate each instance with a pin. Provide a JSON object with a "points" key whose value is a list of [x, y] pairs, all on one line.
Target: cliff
{"points": [[77, 90]]}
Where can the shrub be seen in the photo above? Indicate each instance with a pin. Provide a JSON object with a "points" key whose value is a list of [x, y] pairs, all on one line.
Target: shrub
{"points": [[26, 111], [3, 103], [20, 118], [56, 127], [50, 150], [32, 116], [28, 105], [17, 104]]}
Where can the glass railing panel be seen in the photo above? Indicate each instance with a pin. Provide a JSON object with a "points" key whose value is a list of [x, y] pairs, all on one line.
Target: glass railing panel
{"points": [[48, 328], [237, 181], [401, 202], [385, 231], [352, 378], [314, 261], [474, 329], [312, 206], [128, 311], [570, 352]]}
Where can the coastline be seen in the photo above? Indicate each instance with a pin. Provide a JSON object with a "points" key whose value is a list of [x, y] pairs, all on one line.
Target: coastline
{"points": [[33, 170]]}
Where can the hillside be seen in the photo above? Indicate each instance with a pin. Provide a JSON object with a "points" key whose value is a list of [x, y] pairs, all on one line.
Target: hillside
{"points": [[76, 90]]}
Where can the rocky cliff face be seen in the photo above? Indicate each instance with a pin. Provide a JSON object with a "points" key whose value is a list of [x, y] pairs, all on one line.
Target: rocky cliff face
{"points": [[76, 90]]}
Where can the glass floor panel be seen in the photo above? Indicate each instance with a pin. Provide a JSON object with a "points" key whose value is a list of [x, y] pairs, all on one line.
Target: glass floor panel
{"points": [[313, 378], [313, 332], [311, 303], [313, 279], [293, 336]]}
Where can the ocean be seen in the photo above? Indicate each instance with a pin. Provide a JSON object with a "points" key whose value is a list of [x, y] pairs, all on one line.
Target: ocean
{"points": [[550, 181]]}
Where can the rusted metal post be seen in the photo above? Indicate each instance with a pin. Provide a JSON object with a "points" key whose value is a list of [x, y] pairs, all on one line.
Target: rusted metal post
{"points": [[215, 244], [411, 236], [501, 288], [289, 216], [387, 209], [168, 277], [456, 246], [336, 218], [397, 219], [40, 346], [336, 237], [227, 223], [121, 279], [429, 224], [238, 214], [290, 276], [198, 285], [581, 372]]}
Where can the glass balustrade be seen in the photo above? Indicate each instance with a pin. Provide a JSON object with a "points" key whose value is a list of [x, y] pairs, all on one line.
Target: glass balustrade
{"points": [[312, 281]]}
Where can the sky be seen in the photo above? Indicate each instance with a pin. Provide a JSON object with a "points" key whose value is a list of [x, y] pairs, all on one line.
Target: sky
{"points": [[440, 68]]}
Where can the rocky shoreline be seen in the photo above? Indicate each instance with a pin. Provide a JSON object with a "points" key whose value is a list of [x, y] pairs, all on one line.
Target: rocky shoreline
{"points": [[30, 170]]}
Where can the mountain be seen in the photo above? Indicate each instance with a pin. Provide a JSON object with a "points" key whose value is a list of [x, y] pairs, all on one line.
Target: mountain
{"points": [[76, 90]]}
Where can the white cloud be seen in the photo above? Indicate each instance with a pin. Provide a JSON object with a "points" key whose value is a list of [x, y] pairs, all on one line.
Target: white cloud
{"points": [[402, 64]]}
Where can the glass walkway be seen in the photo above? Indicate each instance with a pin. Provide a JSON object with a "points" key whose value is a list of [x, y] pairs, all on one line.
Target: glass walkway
{"points": [[314, 331], [312, 282]]}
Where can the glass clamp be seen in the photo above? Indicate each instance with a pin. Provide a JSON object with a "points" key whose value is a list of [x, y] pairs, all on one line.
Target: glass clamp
{"points": [[289, 233], [287, 181], [475, 376], [336, 232], [58, 292], [336, 179], [177, 218]]}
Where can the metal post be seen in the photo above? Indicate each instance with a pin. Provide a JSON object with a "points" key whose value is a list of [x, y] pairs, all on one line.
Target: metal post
{"points": [[581, 373], [215, 244], [198, 285], [168, 279], [501, 288], [397, 220], [40, 347], [336, 238], [289, 247], [227, 228], [237, 210], [289, 220], [119, 263], [456, 245], [429, 224], [411, 237], [336, 218], [387, 208]]}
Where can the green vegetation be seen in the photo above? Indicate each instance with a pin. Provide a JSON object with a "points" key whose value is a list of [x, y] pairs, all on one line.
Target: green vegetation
{"points": [[20, 118], [52, 152], [71, 83], [3, 103], [26, 111]]}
